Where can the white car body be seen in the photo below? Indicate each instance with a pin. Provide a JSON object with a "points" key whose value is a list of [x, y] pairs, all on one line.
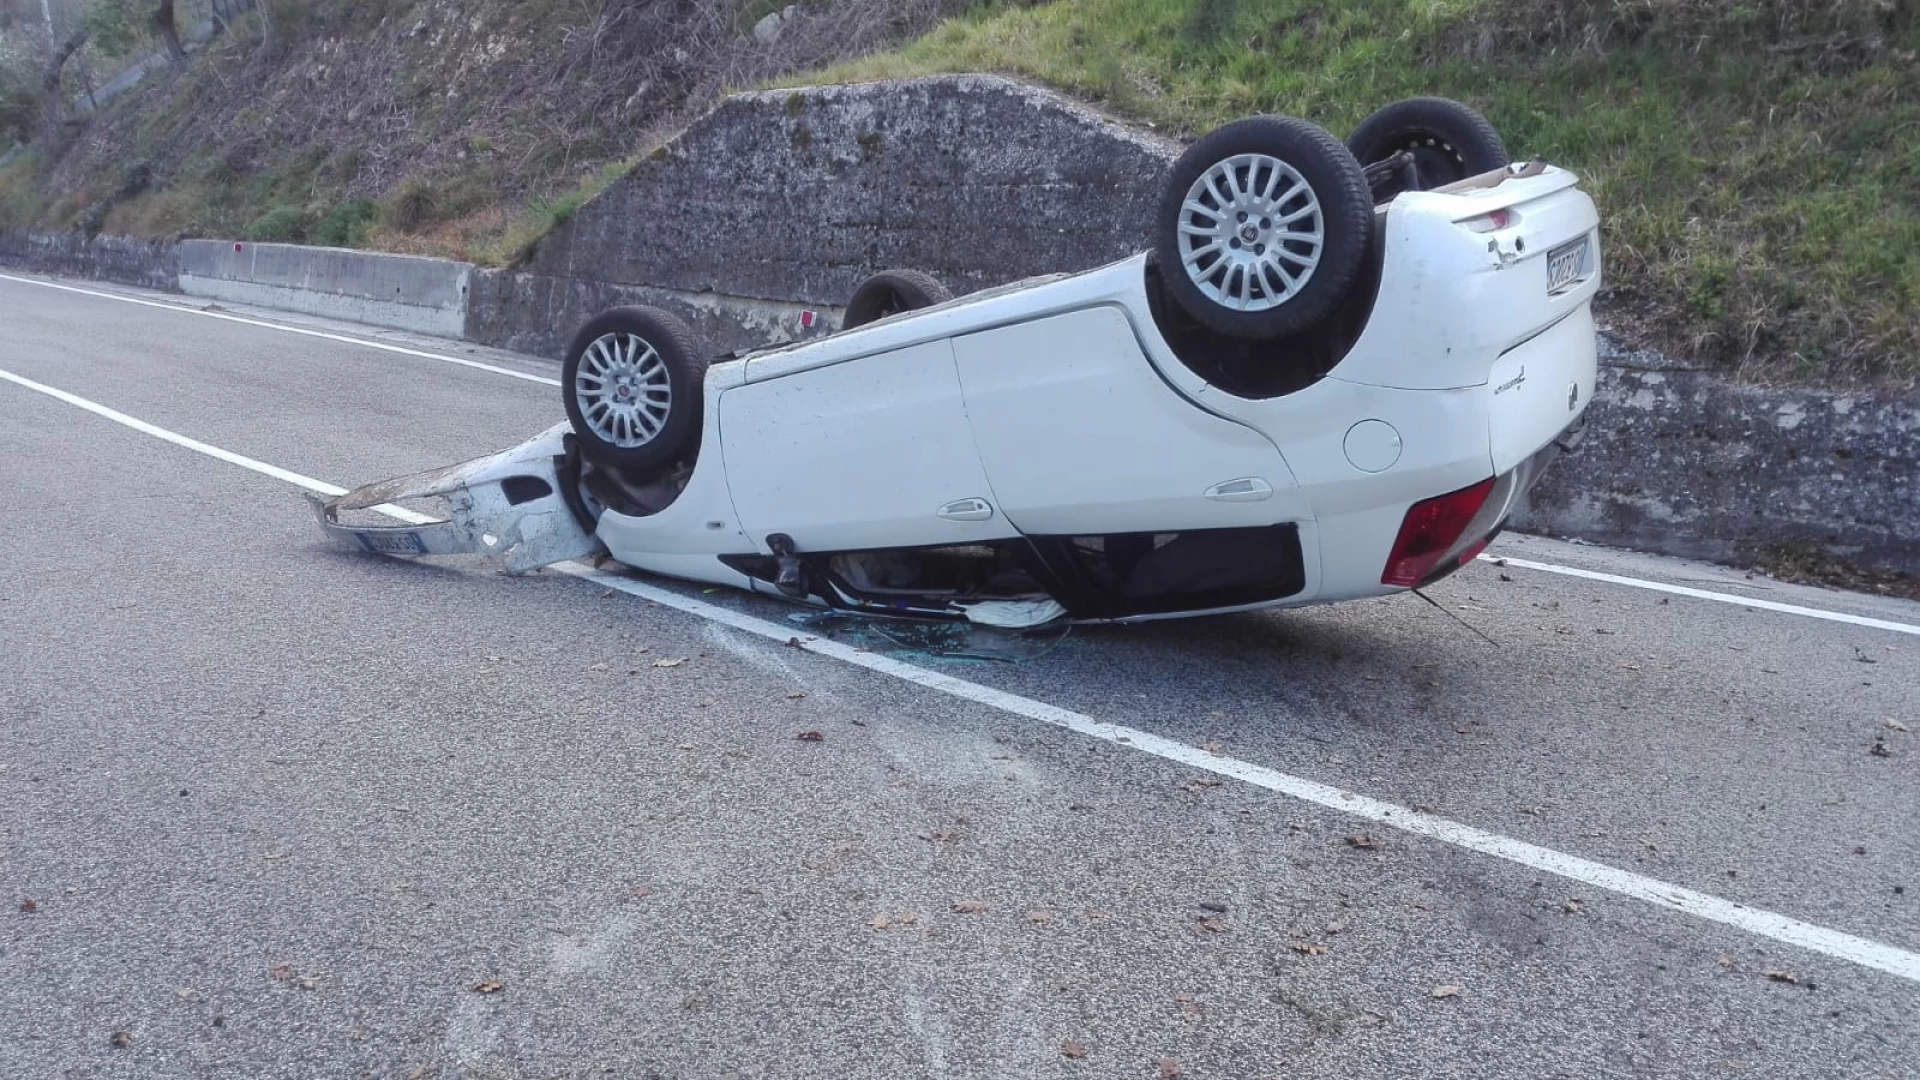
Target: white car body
{"points": [[1057, 409]]}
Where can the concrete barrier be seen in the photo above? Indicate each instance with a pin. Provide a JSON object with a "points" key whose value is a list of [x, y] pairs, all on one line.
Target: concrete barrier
{"points": [[403, 292]]}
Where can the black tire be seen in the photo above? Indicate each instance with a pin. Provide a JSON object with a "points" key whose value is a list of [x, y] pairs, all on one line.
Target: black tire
{"points": [[891, 292], [677, 434], [1449, 141], [1345, 216]]}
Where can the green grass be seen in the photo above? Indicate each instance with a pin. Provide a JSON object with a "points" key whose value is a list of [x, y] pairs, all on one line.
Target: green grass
{"points": [[1757, 162]]}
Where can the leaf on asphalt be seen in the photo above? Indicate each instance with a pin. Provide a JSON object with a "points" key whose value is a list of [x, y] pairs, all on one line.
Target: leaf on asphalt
{"points": [[283, 972], [796, 695], [28, 906], [1446, 990], [1202, 783], [1895, 725], [941, 836], [1073, 1050], [1309, 948], [1209, 925], [684, 746], [1880, 749], [1364, 842], [1726, 961], [597, 667], [670, 661], [121, 1040], [906, 918], [491, 986], [879, 922], [1039, 916], [1574, 905], [1169, 1068], [1787, 977], [969, 907], [811, 736], [1210, 747]]}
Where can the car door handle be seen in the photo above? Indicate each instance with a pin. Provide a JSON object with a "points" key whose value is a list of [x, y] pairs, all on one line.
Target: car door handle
{"points": [[966, 510], [1245, 489]]}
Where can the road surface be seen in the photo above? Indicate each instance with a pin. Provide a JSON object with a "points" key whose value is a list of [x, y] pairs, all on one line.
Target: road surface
{"points": [[272, 809]]}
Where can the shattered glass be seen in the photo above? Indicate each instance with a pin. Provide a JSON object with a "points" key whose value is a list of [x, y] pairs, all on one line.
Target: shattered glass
{"points": [[933, 639]]}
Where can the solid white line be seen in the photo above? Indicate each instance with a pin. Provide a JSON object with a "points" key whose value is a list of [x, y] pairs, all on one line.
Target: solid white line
{"points": [[243, 320], [1525, 564], [1704, 594], [228, 456], [1871, 954]]}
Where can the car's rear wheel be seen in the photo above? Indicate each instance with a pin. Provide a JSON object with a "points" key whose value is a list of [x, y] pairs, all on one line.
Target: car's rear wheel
{"points": [[891, 292], [633, 382], [1263, 226], [1446, 141]]}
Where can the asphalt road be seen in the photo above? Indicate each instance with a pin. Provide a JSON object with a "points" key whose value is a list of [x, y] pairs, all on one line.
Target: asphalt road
{"points": [[283, 811]]}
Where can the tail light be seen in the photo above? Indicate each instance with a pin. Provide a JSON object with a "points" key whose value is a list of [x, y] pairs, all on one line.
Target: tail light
{"points": [[1434, 533], [1491, 221]]}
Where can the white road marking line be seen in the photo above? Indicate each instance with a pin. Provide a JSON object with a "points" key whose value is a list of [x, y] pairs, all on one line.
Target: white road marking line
{"points": [[243, 320], [1704, 594], [1525, 564], [1788, 931], [228, 456]]}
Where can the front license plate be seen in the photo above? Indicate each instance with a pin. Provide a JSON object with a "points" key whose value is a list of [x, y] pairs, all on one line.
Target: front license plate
{"points": [[405, 543], [1567, 265]]}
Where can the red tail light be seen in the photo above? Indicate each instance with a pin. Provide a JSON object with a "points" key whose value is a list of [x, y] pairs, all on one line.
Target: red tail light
{"points": [[1430, 532]]}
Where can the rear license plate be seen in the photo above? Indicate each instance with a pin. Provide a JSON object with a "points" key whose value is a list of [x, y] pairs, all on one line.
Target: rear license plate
{"points": [[1567, 265]]}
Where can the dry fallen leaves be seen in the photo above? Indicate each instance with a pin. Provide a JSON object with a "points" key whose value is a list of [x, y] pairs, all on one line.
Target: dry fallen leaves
{"points": [[1039, 916], [1309, 948], [670, 661], [879, 922], [1169, 1068], [969, 907], [1202, 783], [1210, 925], [1787, 977], [1895, 725], [1072, 1049], [1726, 961], [121, 1039], [1364, 842], [28, 906], [811, 736], [283, 972], [796, 695], [941, 836], [1880, 749], [1574, 905], [491, 986], [1446, 990]]}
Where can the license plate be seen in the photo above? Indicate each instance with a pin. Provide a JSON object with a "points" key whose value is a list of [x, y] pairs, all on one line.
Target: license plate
{"points": [[404, 543], [1567, 265]]}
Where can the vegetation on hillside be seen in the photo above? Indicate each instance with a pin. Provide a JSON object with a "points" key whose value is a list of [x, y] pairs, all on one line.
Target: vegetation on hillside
{"points": [[454, 127], [1757, 161]]}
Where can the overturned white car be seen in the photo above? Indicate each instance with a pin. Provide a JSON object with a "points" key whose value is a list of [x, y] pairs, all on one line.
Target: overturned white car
{"points": [[1332, 377]]}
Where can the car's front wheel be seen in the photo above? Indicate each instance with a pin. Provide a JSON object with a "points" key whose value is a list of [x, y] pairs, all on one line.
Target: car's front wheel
{"points": [[633, 382], [891, 292], [1263, 227]]}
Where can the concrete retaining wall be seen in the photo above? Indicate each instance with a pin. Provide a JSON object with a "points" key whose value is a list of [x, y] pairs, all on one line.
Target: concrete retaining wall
{"points": [[152, 264], [404, 292]]}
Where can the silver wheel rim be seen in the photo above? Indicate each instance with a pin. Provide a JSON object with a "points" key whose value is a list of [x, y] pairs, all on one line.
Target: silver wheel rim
{"points": [[1251, 231], [623, 389]]}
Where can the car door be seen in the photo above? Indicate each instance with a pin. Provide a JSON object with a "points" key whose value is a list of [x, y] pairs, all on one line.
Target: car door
{"points": [[1080, 436], [867, 453]]}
